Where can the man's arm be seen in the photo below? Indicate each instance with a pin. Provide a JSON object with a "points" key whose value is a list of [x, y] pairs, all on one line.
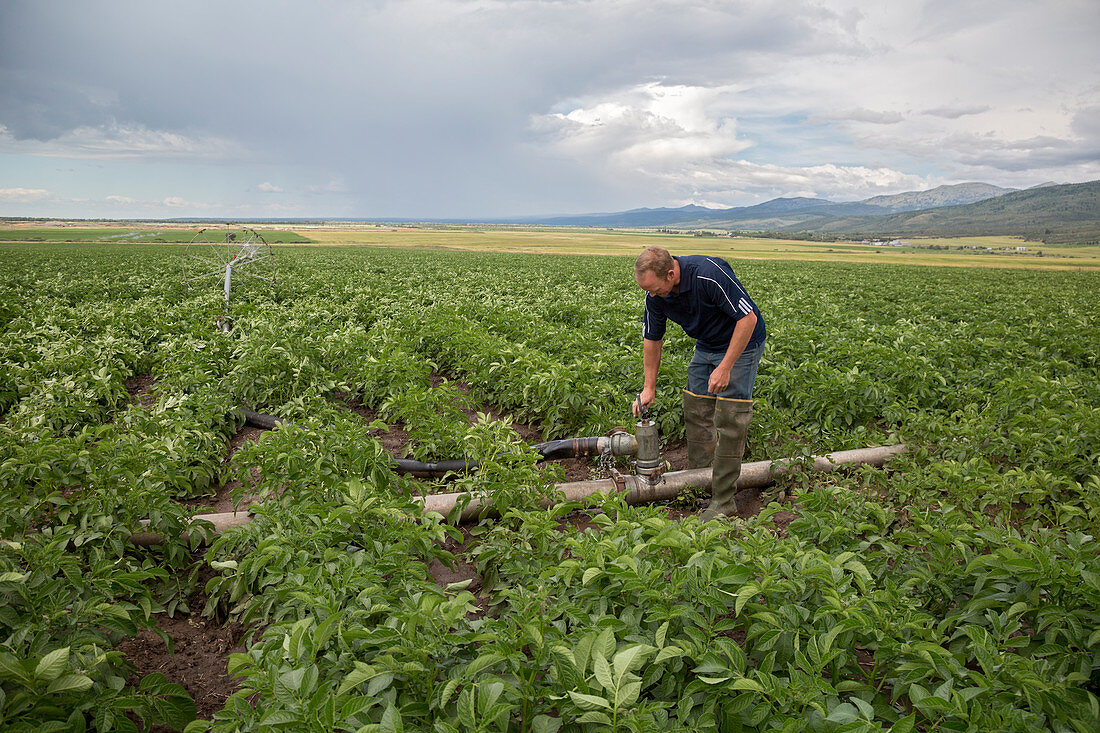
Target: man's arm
{"points": [[742, 332], [651, 364]]}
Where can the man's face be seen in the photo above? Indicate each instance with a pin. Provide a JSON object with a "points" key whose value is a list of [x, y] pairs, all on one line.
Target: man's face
{"points": [[656, 286]]}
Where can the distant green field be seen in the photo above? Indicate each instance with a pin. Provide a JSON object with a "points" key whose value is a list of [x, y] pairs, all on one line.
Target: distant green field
{"points": [[958, 252], [992, 251], [144, 235], [957, 589]]}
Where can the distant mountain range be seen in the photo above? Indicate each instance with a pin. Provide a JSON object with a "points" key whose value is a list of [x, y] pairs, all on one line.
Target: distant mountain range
{"points": [[1052, 213], [784, 211]]}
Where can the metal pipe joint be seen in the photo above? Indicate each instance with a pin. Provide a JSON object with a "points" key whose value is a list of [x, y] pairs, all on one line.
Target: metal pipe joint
{"points": [[619, 443], [648, 462]]}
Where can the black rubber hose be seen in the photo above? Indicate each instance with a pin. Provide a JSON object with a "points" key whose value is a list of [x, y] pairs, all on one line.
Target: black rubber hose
{"points": [[569, 448], [260, 420], [433, 468]]}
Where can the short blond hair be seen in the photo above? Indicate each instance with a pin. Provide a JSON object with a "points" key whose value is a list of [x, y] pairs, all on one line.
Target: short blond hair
{"points": [[656, 260]]}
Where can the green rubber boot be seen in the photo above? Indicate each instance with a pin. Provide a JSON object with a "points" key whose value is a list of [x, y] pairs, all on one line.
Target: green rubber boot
{"points": [[732, 418], [699, 429]]}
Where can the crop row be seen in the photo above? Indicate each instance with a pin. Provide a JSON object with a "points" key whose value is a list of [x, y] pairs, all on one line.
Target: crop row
{"points": [[958, 590]]}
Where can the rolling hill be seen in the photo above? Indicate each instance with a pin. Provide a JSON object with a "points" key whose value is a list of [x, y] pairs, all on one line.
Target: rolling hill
{"points": [[1067, 214]]}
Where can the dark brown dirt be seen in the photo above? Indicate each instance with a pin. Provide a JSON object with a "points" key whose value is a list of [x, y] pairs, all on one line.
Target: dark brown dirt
{"points": [[202, 648], [675, 455], [782, 520], [222, 500], [463, 570], [140, 389], [200, 657], [393, 440]]}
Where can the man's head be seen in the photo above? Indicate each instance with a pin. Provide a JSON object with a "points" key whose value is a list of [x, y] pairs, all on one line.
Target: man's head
{"points": [[656, 272]]}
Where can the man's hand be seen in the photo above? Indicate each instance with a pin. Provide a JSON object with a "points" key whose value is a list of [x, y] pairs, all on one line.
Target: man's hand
{"points": [[645, 399], [719, 380]]}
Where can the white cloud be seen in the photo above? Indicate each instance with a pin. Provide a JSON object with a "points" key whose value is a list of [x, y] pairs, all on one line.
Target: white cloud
{"points": [[23, 194], [650, 125], [448, 108], [115, 199], [955, 112], [874, 117], [335, 186], [679, 142], [123, 142]]}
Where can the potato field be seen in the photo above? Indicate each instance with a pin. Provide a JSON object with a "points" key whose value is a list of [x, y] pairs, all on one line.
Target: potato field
{"points": [[956, 588]]}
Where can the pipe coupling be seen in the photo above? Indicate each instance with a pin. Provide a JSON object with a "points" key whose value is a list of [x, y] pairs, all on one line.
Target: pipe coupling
{"points": [[648, 463], [618, 444]]}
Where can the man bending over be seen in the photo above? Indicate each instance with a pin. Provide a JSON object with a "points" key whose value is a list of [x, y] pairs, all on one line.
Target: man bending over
{"points": [[704, 296]]}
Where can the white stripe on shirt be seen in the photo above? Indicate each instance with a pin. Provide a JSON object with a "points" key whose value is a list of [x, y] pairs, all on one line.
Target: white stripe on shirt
{"points": [[720, 289], [728, 275]]}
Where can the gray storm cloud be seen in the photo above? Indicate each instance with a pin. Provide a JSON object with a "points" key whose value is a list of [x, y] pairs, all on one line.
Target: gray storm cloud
{"points": [[452, 108]]}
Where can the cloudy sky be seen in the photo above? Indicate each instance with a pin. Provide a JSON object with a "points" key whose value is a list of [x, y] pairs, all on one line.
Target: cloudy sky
{"points": [[492, 108]]}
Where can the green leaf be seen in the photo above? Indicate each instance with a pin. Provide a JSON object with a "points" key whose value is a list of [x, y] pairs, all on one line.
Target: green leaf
{"points": [[631, 658], [748, 684], [865, 707], [391, 721], [605, 643], [905, 725], [379, 683], [11, 668], [602, 671], [628, 695], [588, 702], [467, 708], [70, 683], [748, 590], [843, 713], [483, 661], [590, 574], [546, 724], [448, 690], [662, 632], [280, 717], [917, 693], [53, 664]]}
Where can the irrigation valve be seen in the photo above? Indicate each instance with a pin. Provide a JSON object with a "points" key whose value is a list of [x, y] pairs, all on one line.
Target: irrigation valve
{"points": [[648, 463]]}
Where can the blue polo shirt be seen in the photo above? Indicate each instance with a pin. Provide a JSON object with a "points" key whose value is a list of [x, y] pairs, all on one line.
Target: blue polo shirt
{"points": [[710, 301]]}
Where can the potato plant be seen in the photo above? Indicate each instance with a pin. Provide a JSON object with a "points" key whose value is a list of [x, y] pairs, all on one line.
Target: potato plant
{"points": [[956, 589]]}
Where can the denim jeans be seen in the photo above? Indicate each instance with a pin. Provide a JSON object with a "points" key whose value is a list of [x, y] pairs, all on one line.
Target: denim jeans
{"points": [[742, 376]]}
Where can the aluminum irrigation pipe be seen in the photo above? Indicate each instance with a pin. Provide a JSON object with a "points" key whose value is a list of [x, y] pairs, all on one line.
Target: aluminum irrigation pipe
{"points": [[221, 522], [638, 490]]}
